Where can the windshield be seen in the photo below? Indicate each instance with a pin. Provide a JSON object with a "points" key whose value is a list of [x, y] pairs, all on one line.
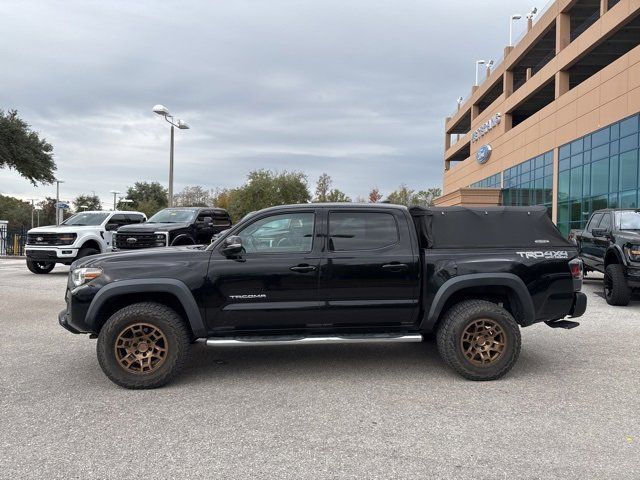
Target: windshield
{"points": [[173, 215], [629, 220], [85, 218]]}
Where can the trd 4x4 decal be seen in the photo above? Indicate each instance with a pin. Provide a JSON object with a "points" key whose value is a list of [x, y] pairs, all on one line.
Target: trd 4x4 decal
{"points": [[551, 254]]}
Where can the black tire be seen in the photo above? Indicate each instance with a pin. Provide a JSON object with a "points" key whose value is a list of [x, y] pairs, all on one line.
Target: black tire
{"points": [[86, 251], [616, 288], [468, 314], [176, 343], [39, 268]]}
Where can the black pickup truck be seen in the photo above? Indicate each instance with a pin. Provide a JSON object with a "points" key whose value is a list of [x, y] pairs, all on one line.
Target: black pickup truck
{"points": [[173, 227], [611, 244], [333, 273]]}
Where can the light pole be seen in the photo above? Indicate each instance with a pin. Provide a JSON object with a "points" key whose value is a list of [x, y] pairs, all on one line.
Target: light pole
{"points": [[58, 209], [115, 192], [124, 200], [38, 212], [33, 207], [83, 207], [164, 112], [514, 17], [478, 63]]}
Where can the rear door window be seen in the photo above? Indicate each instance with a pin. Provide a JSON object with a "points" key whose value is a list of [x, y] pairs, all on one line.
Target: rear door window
{"points": [[350, 231], [134, 218], [593, 223]]}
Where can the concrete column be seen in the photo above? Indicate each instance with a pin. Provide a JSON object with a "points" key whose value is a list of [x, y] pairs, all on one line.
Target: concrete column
{"points": [[447, 164], [447, 141], [507, 122], [604, 7], [563, 31], [529, 73], [529, 23], [475, 111], [562, 83], [507, 82]]}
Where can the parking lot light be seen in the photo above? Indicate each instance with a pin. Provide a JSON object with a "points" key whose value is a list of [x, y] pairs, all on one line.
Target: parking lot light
{"points": [[164, 112]]}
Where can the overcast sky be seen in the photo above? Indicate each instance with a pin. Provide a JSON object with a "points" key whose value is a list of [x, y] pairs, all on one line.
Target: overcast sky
{"points": [[358, 89]]}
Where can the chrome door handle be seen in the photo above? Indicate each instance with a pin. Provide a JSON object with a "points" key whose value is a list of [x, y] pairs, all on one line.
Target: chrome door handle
{"points": [[395, 267], [303, 268]]}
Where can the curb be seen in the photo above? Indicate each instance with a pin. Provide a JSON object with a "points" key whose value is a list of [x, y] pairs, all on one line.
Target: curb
{"points": [[12, 257]]}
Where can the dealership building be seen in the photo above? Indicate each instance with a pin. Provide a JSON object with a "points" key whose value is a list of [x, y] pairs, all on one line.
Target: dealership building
{"points": [[556, 122]]}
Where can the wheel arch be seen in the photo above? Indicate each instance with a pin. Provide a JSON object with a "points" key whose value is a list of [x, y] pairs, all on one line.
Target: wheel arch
{"points": [[92, 243], [505, 288], [614, 255], [167, 291], [183, 239]]}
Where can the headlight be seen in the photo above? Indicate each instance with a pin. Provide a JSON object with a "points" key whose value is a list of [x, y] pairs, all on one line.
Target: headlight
{"points": [[633, 252], [80, 276], [160, 239], [66, 238]]}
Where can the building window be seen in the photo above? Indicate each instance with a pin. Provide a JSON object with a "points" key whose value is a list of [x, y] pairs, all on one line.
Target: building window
{"points": [[530, 183], [599, 170], [493, 181]]}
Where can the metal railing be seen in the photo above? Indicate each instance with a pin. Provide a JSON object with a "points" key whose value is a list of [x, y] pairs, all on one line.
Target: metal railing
{"points": [[12, 241]]}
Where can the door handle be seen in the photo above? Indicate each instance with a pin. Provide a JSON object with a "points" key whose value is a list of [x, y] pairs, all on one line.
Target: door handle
{"points": [[304, 268], [395, 267]]}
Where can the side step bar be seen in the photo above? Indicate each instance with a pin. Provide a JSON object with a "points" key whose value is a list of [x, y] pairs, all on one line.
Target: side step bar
{"points": [[566, 324], [311, 340]]}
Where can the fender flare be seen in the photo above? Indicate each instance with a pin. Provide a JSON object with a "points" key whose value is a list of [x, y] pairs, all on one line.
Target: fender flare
{"points": [[81, 241], [617, 252], [453, 285], [182, 236], [150, 285]]}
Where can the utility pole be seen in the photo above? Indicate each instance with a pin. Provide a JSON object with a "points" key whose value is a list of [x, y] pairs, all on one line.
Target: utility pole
{"points": [[33, 207]]}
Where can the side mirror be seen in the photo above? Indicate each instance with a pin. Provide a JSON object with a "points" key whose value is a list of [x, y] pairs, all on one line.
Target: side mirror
{"points": [[232, 245], [208, 221], [600, 232], [110, 227]]}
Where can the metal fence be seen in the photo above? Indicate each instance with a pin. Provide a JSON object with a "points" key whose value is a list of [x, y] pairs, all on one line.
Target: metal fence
{"points": [[12, 241]]}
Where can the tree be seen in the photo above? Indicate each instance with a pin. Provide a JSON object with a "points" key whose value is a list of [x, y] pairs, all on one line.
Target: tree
{"points": [[411, 198], [265, 188], [192, 197], [221, 198], [336, 195], [17, 212], [22, 150], [47, 211], [87, 202], [374, 195], [322, 188], [147, 197]]}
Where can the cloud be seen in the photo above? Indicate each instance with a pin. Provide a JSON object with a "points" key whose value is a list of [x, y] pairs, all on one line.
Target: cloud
{"points": [[356, 89]]}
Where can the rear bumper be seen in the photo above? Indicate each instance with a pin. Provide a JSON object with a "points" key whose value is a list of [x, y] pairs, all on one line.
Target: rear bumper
{"points": [[579, 305]]}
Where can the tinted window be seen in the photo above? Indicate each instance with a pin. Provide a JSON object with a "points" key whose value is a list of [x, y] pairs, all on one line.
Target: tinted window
{"points": [[361, 230], [133, 218], [594, 221], [221, 220], [605, 222], [82, 219], [118, 219], [288, 232]]}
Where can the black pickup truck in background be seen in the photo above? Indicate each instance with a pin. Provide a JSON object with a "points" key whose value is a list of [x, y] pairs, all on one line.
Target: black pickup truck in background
{"points": [[333, 273], [610, 244]]}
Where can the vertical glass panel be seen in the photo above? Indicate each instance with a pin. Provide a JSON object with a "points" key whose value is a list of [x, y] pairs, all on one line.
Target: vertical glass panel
{"points": [[548, 158], [629, 143], [600, 177], [615, 131], [613, 173], [576, 147], [539, 161], [576, 160], [525, 167], [628, 170], [629, 126], [613, 200], [598, 203], [587, 142], [563, 185], [600, 152], [563, 212], [576, 211], [548, 170], [586, 180], [600, 137], [629, 199], [564, 164], [575, 189], [565, 151], [614, 147]]}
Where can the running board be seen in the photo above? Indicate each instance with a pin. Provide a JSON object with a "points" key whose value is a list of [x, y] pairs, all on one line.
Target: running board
{"points": [[311, 340], [566, 324]]}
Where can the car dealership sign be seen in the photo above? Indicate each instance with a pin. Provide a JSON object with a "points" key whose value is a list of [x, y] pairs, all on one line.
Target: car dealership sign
{"points": [[483, 154], [486, 127]]}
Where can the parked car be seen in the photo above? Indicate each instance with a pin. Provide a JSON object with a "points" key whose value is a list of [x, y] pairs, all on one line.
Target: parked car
{"points": [[611, 244], [174, 227], [83, 234], [333, 273]]}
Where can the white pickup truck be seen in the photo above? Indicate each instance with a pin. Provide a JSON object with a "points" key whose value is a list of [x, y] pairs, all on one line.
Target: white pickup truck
{"points": [[84, 234]]}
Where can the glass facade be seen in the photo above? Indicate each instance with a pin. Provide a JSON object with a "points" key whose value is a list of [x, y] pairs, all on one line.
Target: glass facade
{"points": [[599, 170], [530, 182], [494, 181]]}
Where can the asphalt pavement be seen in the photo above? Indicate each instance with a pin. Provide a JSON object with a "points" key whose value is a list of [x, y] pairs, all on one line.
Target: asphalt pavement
{"points": [[570, 408]]}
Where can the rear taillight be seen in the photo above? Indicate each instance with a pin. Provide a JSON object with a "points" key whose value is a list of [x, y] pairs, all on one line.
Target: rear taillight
{"points": [[575, 266]]}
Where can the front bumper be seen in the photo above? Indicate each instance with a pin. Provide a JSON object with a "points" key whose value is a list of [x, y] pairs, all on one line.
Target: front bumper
{"points": [[64, 253], [63, 320]]}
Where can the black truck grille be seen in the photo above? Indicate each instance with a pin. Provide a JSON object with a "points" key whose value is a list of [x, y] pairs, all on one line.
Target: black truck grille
{"points": [[51, 238], [130, 241]]}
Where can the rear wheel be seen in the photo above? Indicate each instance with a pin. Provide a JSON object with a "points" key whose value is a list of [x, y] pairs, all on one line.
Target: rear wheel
{"points": [[143, 345], [616, 289], [479, 339], [39, 267]]}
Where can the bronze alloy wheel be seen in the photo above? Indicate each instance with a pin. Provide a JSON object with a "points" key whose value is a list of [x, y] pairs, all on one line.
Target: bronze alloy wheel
{"points": [[483, 342], [141, 348]]}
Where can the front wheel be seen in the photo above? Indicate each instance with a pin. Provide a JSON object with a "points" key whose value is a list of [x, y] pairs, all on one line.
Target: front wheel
{"points": [[39, 267], [143, 345], [616, 289], [479, 339]]}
